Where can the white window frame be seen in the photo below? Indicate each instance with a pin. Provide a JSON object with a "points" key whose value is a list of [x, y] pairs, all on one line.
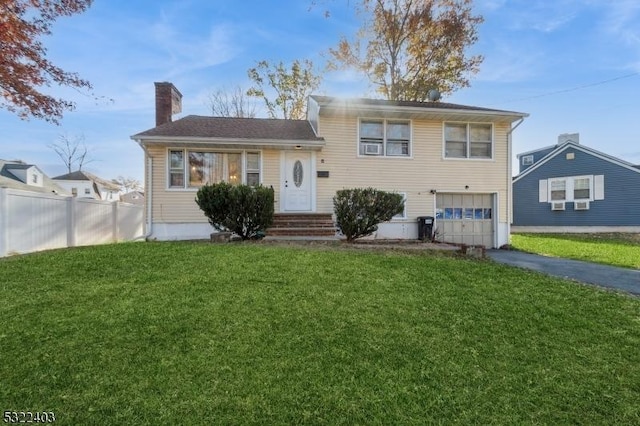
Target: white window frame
{"points": [[385, 122], [527, 160], [185, 166], [550, 189], [247, 170], [467, 141], [171, 170], [590, 179], [569, 188], [402, 215]]}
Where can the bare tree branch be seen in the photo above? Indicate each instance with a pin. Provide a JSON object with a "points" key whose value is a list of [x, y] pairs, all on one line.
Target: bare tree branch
{"points": [[231, 103], [72, 151]]}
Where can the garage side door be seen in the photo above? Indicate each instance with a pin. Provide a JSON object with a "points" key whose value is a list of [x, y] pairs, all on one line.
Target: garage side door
{"points": [[465, 218]]}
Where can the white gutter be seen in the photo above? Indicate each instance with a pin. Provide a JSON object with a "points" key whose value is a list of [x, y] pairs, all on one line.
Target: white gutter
{"points": [[510, 177], [435, 110], [148, 194], [239, 142]]}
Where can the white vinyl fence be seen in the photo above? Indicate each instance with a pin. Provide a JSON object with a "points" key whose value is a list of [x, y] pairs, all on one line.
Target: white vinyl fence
{"points": [[32, 221]]}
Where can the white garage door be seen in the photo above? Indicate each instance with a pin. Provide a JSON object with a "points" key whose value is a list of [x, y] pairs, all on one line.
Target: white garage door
{"points": [[465, 219]]}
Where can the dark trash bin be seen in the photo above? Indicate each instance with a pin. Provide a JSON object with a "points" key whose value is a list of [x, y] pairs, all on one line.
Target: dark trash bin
{"points": [[425, 228]]}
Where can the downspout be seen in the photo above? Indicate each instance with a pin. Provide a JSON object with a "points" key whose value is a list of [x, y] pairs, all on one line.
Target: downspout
{"points": [[148, 194], [510, 178]]}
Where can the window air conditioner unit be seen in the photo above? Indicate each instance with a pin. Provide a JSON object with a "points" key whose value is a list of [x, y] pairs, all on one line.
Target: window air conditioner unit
{"points": [[372, 149], [581, 205], [557, 205]]}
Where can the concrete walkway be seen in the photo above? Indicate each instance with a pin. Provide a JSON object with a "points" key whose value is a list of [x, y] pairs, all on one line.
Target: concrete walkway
{"points": [[591, 273]]}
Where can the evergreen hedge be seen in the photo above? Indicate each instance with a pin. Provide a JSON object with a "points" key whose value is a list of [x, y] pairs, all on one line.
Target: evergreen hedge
{"points": [[242, 209]]}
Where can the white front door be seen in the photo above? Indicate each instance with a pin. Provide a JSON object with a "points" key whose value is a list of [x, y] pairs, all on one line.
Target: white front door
{"points": [[297, 181]]}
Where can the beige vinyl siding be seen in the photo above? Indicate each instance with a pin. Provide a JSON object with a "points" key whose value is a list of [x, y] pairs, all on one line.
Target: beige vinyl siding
{"points": [[178, 205], [271, 172], [416, 176], [170, 205]]}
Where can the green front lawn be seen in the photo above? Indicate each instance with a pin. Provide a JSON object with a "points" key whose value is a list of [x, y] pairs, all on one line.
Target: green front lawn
{"points": [[612, 249], [193, 333]]}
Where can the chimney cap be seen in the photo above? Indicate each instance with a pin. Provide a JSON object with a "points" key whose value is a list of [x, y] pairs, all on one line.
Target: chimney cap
{"points": [[568, 137], [160, 84]]}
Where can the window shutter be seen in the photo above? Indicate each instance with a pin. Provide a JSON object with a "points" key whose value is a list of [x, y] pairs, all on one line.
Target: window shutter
{"points": [[598, 187], [542, 189]]}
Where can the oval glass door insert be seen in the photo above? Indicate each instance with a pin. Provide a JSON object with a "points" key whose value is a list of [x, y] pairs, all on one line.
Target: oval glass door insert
{"points": [[298, 174]]}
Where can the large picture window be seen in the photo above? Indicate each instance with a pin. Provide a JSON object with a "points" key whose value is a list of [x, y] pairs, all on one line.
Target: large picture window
{"points": [[468, 140], [198, 168], [385, 138]]}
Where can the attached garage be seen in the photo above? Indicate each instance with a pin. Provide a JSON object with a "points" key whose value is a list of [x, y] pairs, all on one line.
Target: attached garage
{"points": [[466, 219]]}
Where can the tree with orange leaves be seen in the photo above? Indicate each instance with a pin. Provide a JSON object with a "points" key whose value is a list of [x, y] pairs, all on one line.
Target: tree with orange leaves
{"points": [[24, 68], [408, 47]]}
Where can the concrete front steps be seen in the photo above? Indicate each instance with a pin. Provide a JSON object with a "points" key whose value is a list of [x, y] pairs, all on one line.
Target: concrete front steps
{"points": [[302, 225]]}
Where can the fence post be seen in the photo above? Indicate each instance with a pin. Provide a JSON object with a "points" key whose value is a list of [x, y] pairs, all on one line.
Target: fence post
{"points": [[71, 221], [4, 225]]}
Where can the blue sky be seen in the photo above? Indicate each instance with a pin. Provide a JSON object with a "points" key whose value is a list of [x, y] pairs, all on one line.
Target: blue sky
{"points": [[574, 66]]}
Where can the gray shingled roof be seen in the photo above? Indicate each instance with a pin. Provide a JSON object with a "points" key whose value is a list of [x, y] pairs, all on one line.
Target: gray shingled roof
{"points": [[9, 180], [330, 100], [234, 128], [82, 175], [77, 175]]}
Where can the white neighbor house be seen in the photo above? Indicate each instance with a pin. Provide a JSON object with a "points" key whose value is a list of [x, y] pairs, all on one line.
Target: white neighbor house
{"points": [[86, 185]]}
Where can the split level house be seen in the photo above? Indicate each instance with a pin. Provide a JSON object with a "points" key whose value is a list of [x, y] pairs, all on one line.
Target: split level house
{"points": [[450, 162], [569, 187]]}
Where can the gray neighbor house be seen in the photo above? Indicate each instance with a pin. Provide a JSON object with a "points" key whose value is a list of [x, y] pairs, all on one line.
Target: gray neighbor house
{"points": [[569, 187]]}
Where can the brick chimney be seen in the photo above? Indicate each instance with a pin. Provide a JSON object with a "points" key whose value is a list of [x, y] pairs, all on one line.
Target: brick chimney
{"points": [[168, 102]]}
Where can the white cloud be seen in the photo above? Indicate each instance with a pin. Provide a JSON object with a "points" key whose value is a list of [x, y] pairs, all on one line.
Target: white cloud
{"points": [[543, 17], [622, 20], [186, 52]]}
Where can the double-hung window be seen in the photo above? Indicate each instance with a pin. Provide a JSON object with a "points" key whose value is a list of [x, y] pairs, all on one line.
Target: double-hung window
{"points": [[582, 188], [193, 169], [468, 140], [253, 168], [558, 189], [176, 169], [390, 138]]}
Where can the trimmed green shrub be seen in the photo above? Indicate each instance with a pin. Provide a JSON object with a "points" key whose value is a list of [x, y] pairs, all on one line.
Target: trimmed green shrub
{"points": [[242, 209], [359, 211]]}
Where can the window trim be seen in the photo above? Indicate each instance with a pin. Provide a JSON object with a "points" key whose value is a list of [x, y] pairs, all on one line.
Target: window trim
{"points": [[185, 169], [468, 156], [403, 215], [384, 121], [527, 160], [566, 189], [573, 189], [175, 170], [569, 188]]}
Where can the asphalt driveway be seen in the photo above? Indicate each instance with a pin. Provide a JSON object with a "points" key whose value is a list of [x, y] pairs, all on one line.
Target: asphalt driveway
{"points": [[591, 273]]}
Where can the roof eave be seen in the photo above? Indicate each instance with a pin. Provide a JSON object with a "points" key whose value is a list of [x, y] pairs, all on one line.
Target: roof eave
{"points": [[421, 112]]}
